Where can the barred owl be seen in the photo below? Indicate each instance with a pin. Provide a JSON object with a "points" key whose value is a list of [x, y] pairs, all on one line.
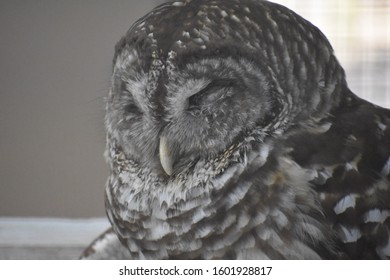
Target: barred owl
{"points": [[232, 134]]}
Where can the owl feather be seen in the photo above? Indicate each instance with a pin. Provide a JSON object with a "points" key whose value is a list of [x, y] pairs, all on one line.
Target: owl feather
{"points": [[232, 134]]}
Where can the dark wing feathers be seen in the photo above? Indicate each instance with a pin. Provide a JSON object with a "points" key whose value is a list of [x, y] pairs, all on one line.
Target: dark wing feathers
{"points": [[352, 161]]}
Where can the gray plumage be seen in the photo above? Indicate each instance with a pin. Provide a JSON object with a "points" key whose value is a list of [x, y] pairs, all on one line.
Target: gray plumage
{"points": [[232, 134]]}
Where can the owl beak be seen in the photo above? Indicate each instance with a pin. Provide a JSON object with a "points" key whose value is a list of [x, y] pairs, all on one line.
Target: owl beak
{"points": [[165, 156]]}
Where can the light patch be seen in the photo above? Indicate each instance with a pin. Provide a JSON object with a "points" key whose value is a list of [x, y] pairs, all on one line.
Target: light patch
{"points": [[204, 230], [171, 55], [279, 218], [243, 220], [382, 126], [198, 41], [352, 137], [264, 152], [160, 229], [186, 34], [349, 166], [386, 168], [236, 19], [238, 194], [200, 13], [178, 4], [350, 235], [265, 233], [224, 14], [198, 215], [246, 9], [259, 218], [125, 59], [353, 165], [104, 242], [345, 203], [325, 127], [179, 43], [376, 216]]}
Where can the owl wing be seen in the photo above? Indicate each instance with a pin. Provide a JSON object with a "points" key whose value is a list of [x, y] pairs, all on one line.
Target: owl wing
{"points": [[349, 155]]}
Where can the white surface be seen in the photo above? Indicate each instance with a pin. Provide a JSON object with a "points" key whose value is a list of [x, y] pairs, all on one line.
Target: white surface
{"points": [[22, 232], [47, 238]]}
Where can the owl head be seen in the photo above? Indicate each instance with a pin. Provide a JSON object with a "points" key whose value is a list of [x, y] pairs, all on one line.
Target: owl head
{"points": [[193, 78]]}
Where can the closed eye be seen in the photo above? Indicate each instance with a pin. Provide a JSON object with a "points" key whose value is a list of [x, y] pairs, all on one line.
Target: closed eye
{"points": [[131, 105], [133, 109], [212, 92]]}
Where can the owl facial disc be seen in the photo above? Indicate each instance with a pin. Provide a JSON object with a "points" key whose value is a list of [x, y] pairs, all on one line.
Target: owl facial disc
{"points": [[165, 156]]}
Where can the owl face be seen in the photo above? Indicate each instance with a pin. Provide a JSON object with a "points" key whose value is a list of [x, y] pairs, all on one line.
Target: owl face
{"points": [[184, 92], [171, 114]]}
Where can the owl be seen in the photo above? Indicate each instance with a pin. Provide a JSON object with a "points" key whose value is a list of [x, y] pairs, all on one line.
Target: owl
{"points": [[232, 134]]}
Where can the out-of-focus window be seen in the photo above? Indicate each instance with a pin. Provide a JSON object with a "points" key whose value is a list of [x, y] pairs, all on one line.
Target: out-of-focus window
{"points": [[359, 31]]}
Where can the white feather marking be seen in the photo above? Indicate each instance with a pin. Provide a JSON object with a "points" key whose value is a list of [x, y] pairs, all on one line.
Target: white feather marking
{"points": [[235, 18], [198, 215], [376, 216], [237, 194], [160, 229], [224, 14], [345, 203], [350, 235], [353, 165], [265, 233], [172, 55], [325, 127], [198, 40], [386, 168], [202, 231], [228, 221], [186, 34], [280, 218], [102, 244], [382, 126], [125, 59], [349, 166], [243, 220], [178, 4], [264, 152], [259, 218], [246, 9]]}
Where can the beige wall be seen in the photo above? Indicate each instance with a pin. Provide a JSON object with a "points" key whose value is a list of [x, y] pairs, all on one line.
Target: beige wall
{"points": [[55, 60]]}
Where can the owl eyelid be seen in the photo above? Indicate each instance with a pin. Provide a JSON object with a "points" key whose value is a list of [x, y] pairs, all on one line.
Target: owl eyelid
{"points": [[133, 108], [195, 99], [218, 83]]}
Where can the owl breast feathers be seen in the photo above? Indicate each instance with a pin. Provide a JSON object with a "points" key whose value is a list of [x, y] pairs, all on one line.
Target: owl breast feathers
{"points": [[232, 134]]}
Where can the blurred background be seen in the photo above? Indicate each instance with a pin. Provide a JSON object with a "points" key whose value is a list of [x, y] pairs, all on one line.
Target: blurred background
{"points": [[55, 62]]}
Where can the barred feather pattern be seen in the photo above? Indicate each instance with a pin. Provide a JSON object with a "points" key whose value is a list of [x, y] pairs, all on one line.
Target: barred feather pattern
{"points": [[234, 135]]}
